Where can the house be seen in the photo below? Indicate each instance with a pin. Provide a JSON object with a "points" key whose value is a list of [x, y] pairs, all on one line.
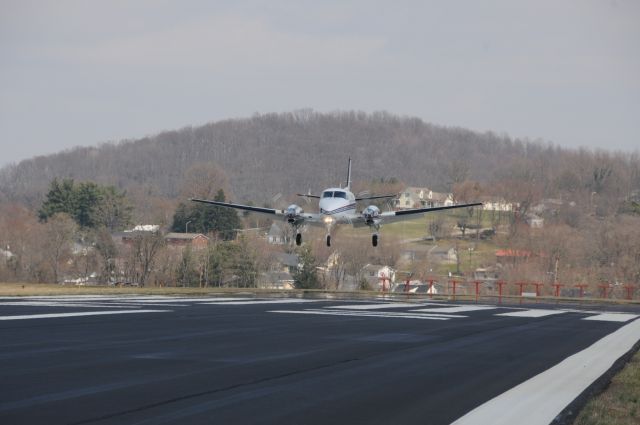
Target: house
{"points": [[437, 199], [180, 240], [378, 275], [486, 274], [497, 204], [276, 280], [535, 221], [6, 254], [413, 197], [276, 235], [287, 262], [419, 197]]}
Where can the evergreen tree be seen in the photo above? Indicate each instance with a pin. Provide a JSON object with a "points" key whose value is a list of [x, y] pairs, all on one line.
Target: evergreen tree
{"points": [[59, 199], [90, 205], [87, 198], [305, 276], [204, 218]]}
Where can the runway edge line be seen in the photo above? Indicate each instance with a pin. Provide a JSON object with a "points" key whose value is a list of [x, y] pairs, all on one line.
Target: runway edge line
{"points": [[546, 397]]}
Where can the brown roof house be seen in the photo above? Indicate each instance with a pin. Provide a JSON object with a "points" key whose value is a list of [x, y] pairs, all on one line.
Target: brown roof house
{"points": [[181, 240]]}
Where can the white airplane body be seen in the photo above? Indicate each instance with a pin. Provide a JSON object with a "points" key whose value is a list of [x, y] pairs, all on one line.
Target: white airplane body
{"points": [[337, 206]]}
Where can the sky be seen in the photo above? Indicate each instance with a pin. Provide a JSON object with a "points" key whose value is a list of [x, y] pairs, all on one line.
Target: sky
{"points": [[81, 73]]}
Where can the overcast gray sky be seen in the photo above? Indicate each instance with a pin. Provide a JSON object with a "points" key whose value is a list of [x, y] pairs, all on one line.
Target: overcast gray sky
{"points": [[84, 72]]}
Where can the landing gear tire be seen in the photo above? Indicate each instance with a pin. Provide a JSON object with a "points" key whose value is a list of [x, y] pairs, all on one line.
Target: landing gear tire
{"points": [[328, 240], [374, 240], [298, 239]]}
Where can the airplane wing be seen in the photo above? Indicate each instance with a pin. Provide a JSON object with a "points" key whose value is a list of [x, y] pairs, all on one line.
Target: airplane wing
{"points": [[359, 220], [293, 217], [266, 211], [393, 216]]}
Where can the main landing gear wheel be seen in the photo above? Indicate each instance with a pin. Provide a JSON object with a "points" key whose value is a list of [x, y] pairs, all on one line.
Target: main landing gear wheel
{"points": [[374, 240], [328, 240], [298, 239]]}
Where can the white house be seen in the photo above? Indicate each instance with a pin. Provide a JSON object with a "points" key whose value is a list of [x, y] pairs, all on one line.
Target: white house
{"points": [[377, 276]]}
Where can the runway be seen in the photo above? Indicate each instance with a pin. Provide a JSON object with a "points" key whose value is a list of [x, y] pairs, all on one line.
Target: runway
{"points": [[204, 360]]}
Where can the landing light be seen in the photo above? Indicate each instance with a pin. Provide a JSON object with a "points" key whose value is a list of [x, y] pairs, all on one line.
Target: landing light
{"points": [[328, 220]]}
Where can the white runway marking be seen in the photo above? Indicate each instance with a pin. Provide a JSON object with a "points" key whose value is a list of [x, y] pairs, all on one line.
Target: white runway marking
{"points": [[612, 317], [377, 306], [276, 301], [61, 304], [540, 399], [84, 313], [531, 313], [458, 309], [385, 314]]}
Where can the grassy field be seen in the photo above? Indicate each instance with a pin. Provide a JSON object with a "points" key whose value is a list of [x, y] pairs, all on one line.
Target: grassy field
{"points": [[619, 404]]}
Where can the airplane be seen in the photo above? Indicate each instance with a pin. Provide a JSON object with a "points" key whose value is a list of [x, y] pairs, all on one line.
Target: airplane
{"points": [[337, 206]]}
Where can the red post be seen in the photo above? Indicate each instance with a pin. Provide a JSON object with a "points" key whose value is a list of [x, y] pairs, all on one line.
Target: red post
{"points": [[500, 285], [629, 289], [454, 283], [384, 282], [581, 286], [477, 283], [406, 286], [557, 286], [605, 289], [431, 288], [537, 285], [521, 284]]}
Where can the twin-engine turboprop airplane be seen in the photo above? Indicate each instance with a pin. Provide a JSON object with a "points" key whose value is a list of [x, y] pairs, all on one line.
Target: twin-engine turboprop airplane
{"points": [[337, 206]]}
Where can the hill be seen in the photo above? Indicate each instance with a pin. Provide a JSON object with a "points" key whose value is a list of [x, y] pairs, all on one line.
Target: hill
{"points": [[305, 150]]}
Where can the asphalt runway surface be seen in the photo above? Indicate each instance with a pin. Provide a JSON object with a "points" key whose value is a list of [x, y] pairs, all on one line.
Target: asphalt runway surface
{"points": [[172, 360]]}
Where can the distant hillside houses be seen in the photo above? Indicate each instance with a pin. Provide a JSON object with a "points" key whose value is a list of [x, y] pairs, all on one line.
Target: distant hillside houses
{"points": [[419, 197], [497, 204]]}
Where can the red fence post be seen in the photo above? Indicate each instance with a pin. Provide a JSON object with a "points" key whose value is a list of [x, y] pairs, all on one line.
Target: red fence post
{"points": [[605, 289], [454, 283], [557, 286], [500, 284], [477, 283], [431, 288], [537, 285], [581, 286], [629, 289], [521, 284]]}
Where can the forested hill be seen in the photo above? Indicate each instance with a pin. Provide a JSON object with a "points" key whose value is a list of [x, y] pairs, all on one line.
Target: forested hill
{"points": [[304, 150]]}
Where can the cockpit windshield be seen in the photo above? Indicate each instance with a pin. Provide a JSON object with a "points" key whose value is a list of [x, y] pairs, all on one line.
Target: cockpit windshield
{"points": [[336, 194], [342, 195]]}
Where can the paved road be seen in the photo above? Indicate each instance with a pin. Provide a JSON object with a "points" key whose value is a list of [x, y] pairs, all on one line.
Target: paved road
{"points": [[155, 360]]}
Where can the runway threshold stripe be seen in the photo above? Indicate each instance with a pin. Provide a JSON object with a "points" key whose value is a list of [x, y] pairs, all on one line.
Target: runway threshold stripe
{"points": [[532, 313], [378, 306], [612, 317], [458, 309], [78, 314], [367, 314], [540, 399], [279, 301]]}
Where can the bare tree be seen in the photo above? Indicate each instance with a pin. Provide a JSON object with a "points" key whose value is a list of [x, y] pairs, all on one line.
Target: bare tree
{"points": [[59, 232]]}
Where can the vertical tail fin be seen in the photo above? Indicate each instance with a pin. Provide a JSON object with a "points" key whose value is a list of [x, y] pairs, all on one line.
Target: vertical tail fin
{"points": [[349, 176]]}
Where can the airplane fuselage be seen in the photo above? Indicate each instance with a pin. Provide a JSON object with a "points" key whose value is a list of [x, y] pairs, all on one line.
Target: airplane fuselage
{"points": [[336, 204]]}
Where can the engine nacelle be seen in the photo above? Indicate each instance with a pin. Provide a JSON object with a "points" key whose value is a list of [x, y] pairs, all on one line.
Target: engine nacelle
{"points": [[293, 213], [370, 214]]}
